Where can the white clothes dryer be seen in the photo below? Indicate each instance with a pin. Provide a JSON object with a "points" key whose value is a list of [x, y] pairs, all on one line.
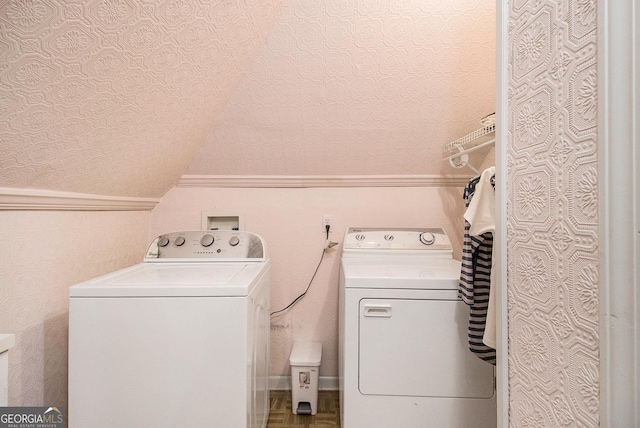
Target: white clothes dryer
{"points": [[403, 350], [179, 340]]}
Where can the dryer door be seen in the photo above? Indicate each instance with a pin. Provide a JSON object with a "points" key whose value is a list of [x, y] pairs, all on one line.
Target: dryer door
{"points": [[419, 348]]}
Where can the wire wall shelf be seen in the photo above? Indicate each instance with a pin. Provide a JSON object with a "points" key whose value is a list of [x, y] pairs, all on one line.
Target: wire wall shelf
{"points": [[457, 152]]}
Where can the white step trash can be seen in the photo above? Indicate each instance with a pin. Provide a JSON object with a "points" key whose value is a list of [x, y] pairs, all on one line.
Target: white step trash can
{"points": [[305, 365]]}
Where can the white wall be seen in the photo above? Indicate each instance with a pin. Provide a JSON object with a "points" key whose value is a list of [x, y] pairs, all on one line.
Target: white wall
{"points": [[289, 219]]}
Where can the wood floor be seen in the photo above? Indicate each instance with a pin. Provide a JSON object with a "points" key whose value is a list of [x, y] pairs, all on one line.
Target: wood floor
{"points": [[281, 416]]}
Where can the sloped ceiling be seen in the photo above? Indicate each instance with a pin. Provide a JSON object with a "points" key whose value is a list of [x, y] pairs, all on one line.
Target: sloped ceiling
{"points": [[353, 87], [114, 97], [122, 97]]}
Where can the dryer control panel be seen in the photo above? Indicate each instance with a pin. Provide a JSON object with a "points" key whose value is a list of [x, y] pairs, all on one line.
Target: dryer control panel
{"points": [[201, 245], [374, 239]]}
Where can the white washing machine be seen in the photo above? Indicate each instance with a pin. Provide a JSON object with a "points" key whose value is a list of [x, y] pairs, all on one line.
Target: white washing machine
{"points": [[179, 340], [403, 349]]}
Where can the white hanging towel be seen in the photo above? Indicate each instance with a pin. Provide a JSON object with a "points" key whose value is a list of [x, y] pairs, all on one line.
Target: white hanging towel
{"points": [[481, 216]]}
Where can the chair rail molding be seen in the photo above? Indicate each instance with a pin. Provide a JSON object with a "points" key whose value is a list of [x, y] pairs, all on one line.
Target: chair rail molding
{"points": [[37, 199], [279, 181]]}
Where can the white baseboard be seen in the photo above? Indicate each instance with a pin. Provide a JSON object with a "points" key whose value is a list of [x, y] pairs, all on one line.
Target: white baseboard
{"points": [[283, 383]]}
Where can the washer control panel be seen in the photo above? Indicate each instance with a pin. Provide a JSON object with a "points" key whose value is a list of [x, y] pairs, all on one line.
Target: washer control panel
{"points": [[428, 239], [222, 245]]}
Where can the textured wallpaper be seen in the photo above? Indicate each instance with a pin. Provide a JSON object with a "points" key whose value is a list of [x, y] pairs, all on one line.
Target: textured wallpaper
{"points": [[353, 87], [49, 252], [552, 214], [114, 97]]}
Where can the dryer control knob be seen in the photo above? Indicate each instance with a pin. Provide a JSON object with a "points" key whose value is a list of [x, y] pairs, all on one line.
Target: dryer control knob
{"points": [[163, 241], [207, 240], [427, 238], [179, 241], [233, 241]]}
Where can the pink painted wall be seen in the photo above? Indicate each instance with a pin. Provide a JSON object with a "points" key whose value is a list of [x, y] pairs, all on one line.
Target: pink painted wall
{"points": [[289, 219], [43, 253]]}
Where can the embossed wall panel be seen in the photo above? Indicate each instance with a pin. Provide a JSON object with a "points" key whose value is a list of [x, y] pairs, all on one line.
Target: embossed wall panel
{"points": [[552, 214]]}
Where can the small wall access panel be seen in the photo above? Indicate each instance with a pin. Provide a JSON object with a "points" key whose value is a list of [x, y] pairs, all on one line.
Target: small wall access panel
{"points": [[222, 220]]}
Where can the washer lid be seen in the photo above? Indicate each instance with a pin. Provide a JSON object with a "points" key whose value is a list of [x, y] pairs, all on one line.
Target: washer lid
{"points": [[176, 279]]}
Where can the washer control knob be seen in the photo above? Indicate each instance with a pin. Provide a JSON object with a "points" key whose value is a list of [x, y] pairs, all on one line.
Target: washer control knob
{"points": [[427, 238], [207, 240], [179, 241], [163, 241], [233, 241]]}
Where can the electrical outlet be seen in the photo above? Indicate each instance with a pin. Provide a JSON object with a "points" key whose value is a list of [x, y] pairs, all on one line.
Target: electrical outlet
{"points": [[327, 220]]}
